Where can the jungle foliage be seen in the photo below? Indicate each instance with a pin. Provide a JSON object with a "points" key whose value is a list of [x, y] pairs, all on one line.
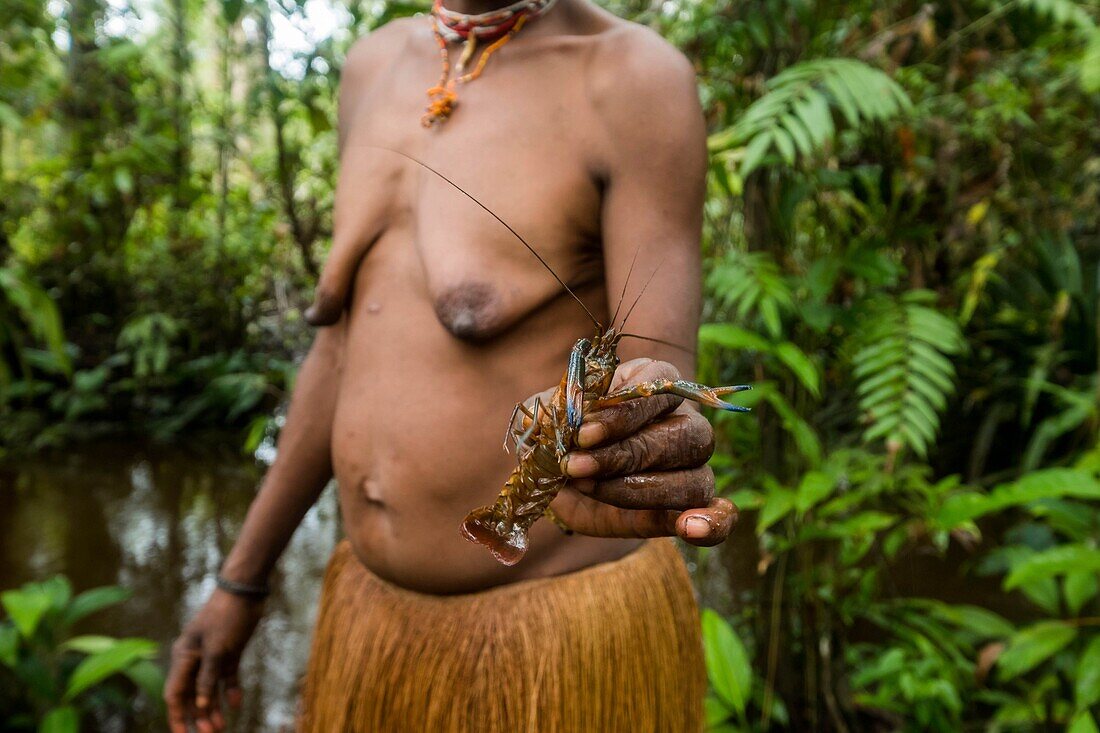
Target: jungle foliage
{"points": [[57, 682], [902, 254]]}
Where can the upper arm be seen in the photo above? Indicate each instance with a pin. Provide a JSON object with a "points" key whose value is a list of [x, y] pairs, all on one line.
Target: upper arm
{"points": [[652, 159]]}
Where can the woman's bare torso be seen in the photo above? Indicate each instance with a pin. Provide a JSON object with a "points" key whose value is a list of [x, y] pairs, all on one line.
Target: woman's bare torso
{"points": [[452, 320]]}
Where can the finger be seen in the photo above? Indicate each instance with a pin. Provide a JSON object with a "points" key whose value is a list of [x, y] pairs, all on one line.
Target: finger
{"points": [[206, 683], [619, 421], [587, 516], [680, 490], [683, 440], [331, 297], [709, 526], [234, 695], [179, 686]]}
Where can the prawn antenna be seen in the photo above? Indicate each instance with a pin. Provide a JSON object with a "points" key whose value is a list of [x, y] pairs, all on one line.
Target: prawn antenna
{"points": [[642, 292], [626, 282], [505, 224], [684, 349]]}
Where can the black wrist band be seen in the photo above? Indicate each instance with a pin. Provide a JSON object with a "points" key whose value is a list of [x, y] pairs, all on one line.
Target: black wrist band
{"points": [[242, 589]]}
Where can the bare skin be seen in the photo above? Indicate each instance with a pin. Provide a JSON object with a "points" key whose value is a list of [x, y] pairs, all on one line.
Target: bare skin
{"points": [[585, 134]]}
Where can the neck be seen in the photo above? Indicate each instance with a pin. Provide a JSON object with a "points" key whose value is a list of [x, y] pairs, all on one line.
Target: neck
{"points": [[475, 7]]}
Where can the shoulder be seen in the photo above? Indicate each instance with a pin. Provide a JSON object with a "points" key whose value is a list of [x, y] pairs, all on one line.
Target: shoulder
{"points": [[634, 66], [381, 44], [642, 92]]}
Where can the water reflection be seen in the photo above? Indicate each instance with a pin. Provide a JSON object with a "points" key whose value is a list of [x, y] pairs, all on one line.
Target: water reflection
{"points": [[159, 520]]}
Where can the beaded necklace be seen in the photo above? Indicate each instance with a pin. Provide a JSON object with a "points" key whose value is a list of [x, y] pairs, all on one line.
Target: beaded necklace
{"points": [[495, 27]]}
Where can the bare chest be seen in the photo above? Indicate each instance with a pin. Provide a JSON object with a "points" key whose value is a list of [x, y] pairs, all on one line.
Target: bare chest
{"points": [[519, 142]]}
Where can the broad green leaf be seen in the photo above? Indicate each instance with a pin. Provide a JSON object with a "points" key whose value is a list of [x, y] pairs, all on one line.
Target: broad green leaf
{"points": [[814, 488], [1087, 684], [778, 503], [26, 607], [1083, 722], [728, 666], [979, 621], [1032, 646], [1080, 588], [732, 337], [60, 720], [94, 600], [1055, 561], [1050, 483], [88, 644], [98, 667], [800, 365]]}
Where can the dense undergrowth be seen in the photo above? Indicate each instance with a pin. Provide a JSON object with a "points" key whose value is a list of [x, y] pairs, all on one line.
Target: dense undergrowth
{"points": [[902, 254]]}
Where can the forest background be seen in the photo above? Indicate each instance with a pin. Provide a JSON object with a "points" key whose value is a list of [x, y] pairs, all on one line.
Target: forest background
{"points": [[902, 254]]}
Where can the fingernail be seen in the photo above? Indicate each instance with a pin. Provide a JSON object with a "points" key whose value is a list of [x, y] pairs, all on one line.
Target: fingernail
{"points": [[591, 433], [580, 465], [696, 527]]}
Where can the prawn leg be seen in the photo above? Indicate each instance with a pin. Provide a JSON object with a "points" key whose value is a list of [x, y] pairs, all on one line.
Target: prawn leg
{"points": [[688, 390], [549, 514], [512, 432]]}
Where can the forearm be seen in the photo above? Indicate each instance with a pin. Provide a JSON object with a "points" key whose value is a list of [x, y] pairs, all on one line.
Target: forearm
{"points": [[302, 468]]}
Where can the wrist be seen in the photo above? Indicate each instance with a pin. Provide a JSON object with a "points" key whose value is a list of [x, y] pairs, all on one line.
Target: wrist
{"points": [[248, 591], [245, 570]]}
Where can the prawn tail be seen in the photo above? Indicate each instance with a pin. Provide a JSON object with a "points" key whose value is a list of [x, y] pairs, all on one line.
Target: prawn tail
{"points": [[499, 533]]}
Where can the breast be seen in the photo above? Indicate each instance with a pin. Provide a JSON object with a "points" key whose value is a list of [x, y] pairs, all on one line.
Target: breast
{"points": [[470, 311]]}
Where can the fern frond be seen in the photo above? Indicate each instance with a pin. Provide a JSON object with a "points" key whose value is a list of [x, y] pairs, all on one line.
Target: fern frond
{"points": [[903, 371], [795, 117], [751, 284]]}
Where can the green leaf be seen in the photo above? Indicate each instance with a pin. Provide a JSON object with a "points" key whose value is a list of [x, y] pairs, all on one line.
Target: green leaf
{"points": [[1080, 588], [98, 667], [815, 487], [778, 503], [1083, 722], [1087, 685], [1055, 561], [1051, 483], [94, 600], [800, 365], [715, 711], [754, 153], [732, 337], [9, 645], [727, 662], [1090, 64], [60, 720], [979, 621], [148, 677], [1032, 646], [26, 607], [88, 644]]}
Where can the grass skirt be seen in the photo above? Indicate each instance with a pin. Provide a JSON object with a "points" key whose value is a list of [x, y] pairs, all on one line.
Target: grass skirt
{"points": [[615, 647]]}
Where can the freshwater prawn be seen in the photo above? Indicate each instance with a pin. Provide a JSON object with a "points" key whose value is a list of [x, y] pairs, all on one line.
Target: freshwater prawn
{"points": [[549, 431]]}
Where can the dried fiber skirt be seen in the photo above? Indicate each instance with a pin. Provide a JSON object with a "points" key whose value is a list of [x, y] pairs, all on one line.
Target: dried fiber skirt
{"points": [[614, 647]]}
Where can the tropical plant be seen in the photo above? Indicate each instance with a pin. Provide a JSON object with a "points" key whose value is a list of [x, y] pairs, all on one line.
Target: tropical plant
{"points": [[60, 683]]}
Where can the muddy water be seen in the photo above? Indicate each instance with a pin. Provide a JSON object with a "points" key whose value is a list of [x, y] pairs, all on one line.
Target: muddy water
{"points": [[159, 520]]}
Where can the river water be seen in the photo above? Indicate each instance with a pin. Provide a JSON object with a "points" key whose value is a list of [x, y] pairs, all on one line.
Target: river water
{"points": [[159, 519]]}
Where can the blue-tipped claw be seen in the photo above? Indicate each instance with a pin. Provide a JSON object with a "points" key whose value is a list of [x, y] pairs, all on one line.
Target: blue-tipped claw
{"points": [[731, 390]]}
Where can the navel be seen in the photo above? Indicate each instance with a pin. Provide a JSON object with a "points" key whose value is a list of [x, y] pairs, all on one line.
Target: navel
{"points": [[469, 311]]}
